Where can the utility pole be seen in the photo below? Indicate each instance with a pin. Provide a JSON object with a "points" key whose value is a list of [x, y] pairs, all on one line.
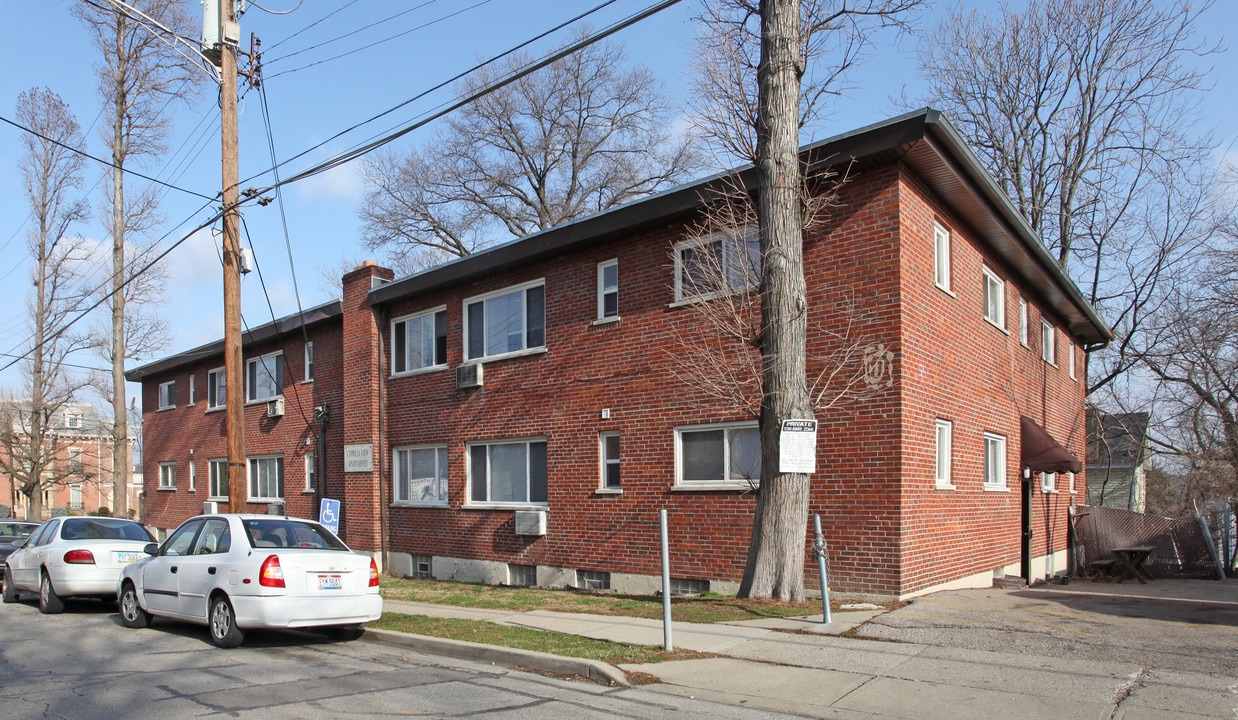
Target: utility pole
{"points": [[227, 35]]}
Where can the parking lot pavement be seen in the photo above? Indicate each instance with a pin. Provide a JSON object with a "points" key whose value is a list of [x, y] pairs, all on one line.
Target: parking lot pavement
{"points": [[1170, 625]]}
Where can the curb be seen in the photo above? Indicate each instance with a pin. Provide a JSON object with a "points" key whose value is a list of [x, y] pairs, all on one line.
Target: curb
{"points": [[595, 670]]}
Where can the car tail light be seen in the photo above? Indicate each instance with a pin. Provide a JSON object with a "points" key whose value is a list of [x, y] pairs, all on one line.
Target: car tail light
{"points": [[271, 574], [373, 573], [79, 557]]}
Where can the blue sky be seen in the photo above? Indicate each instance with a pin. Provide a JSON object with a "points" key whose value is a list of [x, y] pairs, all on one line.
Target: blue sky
{"points": [[312, 95]]}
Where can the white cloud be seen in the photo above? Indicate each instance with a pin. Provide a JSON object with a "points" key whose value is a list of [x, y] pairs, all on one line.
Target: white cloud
{"points": [[341, 182]]}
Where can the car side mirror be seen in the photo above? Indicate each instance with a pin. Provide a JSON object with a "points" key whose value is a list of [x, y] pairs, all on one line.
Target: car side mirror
{"points": [[19, 543], [151, 549]]}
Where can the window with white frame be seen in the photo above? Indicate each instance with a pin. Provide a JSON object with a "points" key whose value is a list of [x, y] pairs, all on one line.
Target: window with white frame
{"points": [[193, 387], [419, 341], [994, 461], [1023, 322], [1070, 355], [1071, 477], [727, 454], [608, 289], [167, 475], [311, 472], [1048, 342], [266, 478], [994, 299], [941, 256], [193, 477], [509, 472], [609, 450], [75, 496], [218, 480], [216, 388], [72, 419], [505, 322], [167, 395], [945, 450], [720, 263], [75, 461], [264, 377], [420, 474], [309, 361], [1048, 482]]}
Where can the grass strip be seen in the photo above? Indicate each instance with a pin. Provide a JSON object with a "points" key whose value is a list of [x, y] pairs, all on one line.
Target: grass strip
{"points": [[488, 633]]}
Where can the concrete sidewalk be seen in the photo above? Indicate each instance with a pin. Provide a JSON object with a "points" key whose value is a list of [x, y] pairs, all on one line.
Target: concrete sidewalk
{"points": [[800, 666]]}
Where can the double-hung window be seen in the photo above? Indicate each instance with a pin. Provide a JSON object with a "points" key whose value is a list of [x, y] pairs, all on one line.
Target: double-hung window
{"points": [[941, 256], [994, 299], [608, 290], [167, 476], [510, 471], [311, 472], [266, 478], [609, 449], [419, 341], [167, 395], [1023, 322], [1070, 354], [218, 480], [724, 454], [264, 377], [75, 496], [505, 322], [994, 462], [309, 361], [216, 389], [1048, 482], [75, 461], [192, 389], [420, 475], [945, 448], [1048, 342], [720, 263]]}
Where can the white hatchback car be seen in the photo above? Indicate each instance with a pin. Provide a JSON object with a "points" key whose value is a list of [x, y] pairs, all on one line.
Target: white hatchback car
{"points": [[73, 556], [238, 572]]}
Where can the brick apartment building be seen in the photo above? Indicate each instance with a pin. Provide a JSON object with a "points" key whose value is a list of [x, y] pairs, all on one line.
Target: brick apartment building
{"points": [[518, 416], [81, 479]]}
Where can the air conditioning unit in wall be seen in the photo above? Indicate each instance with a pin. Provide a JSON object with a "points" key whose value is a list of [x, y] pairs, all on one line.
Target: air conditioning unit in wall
{"points": [[275, 408], [530, 522], [210, 507], [469, 376]]}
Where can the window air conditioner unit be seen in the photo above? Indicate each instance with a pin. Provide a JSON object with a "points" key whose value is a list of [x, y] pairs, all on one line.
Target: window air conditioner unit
{"points": [[530, 522], [469, 376], [275, 408], [210, 507]]}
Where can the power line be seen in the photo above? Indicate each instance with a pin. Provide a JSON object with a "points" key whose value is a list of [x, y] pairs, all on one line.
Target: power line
{"points": [[101, 161]]}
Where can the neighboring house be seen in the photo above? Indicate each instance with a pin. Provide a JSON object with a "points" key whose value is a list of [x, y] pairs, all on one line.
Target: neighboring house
{"points": [[1118, 460], [81, 464], [517, 416]]}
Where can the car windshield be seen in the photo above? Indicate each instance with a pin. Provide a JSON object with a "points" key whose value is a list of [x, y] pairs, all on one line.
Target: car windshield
{"points": [[10, 531], [103, 529], [286, 533]]}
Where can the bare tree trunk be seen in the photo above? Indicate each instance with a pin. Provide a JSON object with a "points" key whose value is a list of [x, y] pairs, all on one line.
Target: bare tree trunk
{"points": [[120, 415], [776, 554]]}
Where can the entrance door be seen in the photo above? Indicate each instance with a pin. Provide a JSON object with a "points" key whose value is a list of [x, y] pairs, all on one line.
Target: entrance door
{"points": [[1025, 524]]}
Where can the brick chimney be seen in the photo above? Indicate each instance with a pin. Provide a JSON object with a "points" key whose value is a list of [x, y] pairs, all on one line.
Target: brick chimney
{"points": [[362, 365]]}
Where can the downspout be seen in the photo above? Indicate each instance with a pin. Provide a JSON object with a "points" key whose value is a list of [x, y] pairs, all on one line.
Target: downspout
{"points": [[383, 509]]}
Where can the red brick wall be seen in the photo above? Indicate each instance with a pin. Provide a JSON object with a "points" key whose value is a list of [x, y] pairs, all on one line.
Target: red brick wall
{"points": [[192, 433]]}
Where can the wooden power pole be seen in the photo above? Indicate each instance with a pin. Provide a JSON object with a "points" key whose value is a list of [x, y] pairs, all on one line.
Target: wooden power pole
{"points": [[229, 33]]}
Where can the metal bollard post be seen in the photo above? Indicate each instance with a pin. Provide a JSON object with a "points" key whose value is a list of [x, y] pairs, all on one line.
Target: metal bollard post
{"points": [[818, 546]]}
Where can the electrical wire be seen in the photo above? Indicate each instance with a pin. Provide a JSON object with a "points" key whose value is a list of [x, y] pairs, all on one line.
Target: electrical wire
{"points": [[314, 24]]}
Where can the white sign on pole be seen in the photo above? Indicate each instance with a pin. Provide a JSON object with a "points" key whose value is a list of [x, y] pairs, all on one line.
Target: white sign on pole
{"points": [[797, 446], [359, 458]]}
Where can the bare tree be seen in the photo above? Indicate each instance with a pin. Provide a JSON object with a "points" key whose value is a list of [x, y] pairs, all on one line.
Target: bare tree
{"points": [[140, 73], [51, 170], [834, 37], [1084, 111], [751, 102], [576, 137]]}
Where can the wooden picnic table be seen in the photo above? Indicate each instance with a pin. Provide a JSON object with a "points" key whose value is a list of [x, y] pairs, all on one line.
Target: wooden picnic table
{"points": [[1131, 560]]}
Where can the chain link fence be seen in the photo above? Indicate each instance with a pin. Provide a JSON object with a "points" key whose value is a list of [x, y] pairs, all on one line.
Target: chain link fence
{"points": [[1182, 547]]}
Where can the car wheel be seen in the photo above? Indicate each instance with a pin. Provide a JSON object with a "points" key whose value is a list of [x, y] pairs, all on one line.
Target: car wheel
{"points": [[10, 590], [344, 633], [131, 613], [224, 632], [49, 602]]}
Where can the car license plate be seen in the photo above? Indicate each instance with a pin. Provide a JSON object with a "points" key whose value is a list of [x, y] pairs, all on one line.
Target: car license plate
{"points": [[330, 582], [128, 557]]}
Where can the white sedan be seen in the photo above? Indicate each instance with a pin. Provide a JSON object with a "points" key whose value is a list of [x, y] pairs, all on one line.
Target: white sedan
{"points": [[238, 572], [73, 556]]}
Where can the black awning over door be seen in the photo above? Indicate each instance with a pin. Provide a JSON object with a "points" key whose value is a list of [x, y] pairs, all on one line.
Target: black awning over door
{"points": [[1041, 453]]}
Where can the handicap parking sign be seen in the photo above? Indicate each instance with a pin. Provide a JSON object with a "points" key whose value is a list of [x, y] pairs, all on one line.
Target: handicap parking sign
{"points": [[329, 514]]}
